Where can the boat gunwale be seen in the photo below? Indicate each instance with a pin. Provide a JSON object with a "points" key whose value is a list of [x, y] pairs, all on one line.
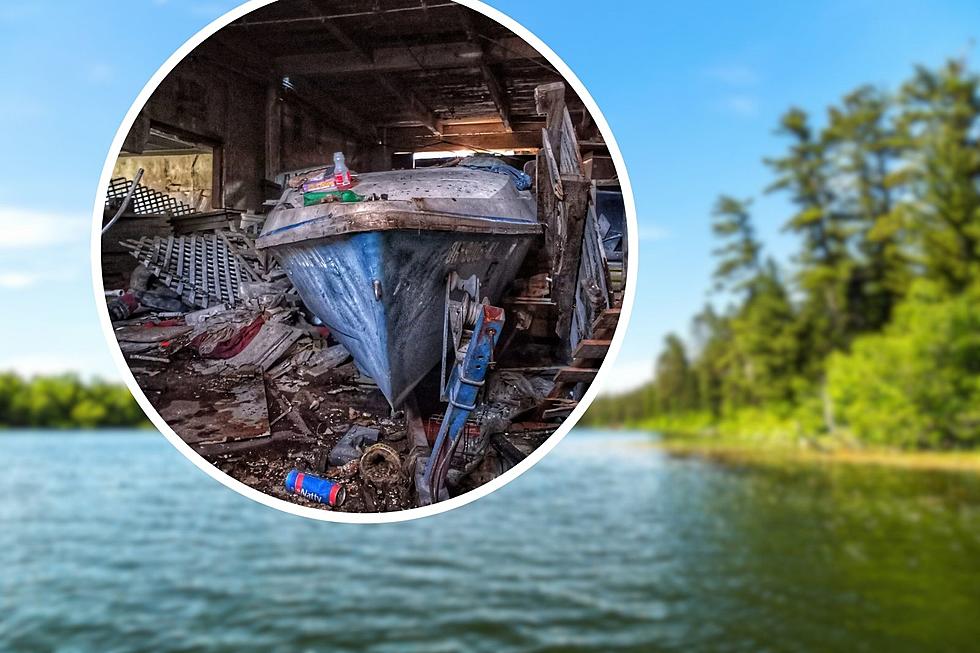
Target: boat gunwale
{"points": [[390, 215]]}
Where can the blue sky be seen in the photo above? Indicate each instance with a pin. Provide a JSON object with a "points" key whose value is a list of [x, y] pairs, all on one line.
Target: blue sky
{"points": [[691, 90]]}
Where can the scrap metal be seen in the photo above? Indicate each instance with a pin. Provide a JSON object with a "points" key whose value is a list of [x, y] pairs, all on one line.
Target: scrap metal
{"points": [[204, 269]]}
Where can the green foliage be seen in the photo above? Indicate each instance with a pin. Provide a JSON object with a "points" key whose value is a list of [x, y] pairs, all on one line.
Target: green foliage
{"points": [[738, 256], [918, 382], [674, 385], [940, 120], [763, 345], [65, 401], [874, 337]]}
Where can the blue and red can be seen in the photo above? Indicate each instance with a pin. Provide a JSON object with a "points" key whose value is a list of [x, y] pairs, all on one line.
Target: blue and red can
{"points": [[315, 488]]}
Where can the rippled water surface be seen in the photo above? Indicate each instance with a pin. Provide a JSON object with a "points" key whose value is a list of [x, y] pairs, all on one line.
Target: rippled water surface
{"points": [[114, 542]]}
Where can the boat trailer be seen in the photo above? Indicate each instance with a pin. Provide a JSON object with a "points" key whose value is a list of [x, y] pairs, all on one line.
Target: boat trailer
{"points": [[474, 330]]}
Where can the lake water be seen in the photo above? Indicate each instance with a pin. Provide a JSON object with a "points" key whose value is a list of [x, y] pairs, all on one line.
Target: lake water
{"points": [[114, 542]]}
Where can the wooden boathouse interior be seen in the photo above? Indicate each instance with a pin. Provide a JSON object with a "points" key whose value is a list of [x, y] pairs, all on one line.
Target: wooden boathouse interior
{"points": [[394, 84]]}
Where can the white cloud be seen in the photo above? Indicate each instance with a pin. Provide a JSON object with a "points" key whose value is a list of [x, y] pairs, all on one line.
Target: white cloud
{"points": [[734, 75], [741, 105], [16, 280], [627, 375], [30, 229]]}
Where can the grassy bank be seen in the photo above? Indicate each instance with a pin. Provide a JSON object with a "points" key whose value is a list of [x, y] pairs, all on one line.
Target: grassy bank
{"points": [[756, 437], [748, 452]]}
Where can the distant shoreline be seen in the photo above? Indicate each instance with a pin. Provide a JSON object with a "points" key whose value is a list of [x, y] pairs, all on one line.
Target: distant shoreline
{"points": [[764, 452]]}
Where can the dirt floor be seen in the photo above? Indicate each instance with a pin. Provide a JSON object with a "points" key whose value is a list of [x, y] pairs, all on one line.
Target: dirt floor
{"points": [[257, 428]]}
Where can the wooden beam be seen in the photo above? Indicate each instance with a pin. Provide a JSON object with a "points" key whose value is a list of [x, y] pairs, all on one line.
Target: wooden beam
{"points": [[497, 94], [563, 200], [503, 141], [494, 86], [592, 349], [549, 100], [402, 59], [376, 11], [607, 322], [222, 52], [575, 375], [415, 107], [468, 129], [479, 128]]}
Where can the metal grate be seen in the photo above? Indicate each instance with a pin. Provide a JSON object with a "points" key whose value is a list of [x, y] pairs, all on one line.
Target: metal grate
{"points": [[146, 201], [204, 269]]}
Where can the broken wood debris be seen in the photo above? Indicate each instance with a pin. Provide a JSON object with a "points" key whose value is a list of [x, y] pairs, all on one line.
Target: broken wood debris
{"points": [[239, 334]]}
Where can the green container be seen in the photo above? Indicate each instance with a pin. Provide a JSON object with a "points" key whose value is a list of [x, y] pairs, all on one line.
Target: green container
{"points": [[318, 197]]}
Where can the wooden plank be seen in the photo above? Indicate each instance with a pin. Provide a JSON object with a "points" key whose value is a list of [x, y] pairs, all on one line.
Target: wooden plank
{"points": [[494, 86], [565, 266], [553, 179], [607, 321], [592, 349], [571, 157], [566, 221], [575, 375], [503, 141], [497, 94], [558, 412], [592, 289], [528, 301], [488, 127], [401, 59], [549, 101]]}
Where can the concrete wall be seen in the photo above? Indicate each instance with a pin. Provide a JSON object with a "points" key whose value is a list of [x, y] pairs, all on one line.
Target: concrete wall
{"points": [[228, 109]]}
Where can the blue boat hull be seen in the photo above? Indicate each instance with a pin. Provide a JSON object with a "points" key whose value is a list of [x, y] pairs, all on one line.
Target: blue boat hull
{"points": [[382, 293]]}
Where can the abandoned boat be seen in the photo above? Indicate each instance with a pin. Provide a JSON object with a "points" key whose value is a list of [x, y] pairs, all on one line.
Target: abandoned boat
{"points": [[375, 271]]}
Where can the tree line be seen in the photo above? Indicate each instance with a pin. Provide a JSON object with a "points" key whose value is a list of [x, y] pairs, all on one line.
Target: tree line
{"points": [[872, 331], [65, 401]]}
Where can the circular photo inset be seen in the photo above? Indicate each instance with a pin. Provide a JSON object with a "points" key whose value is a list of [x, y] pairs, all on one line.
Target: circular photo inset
{"points": [[364, 257]]}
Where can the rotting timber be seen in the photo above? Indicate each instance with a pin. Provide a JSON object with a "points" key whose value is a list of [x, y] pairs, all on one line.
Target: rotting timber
{"points": [[229, 331]]}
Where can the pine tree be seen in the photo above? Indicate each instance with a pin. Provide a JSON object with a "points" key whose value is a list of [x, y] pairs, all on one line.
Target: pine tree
{"points": [[765, 342], [674, 384], [940, 116], [825, 262], [863, 145], [738, 255], [712, 337]]}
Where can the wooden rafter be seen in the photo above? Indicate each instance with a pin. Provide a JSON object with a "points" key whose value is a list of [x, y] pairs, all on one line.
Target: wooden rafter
{"points": [[435, 56], [494, 86], [414, 106], [222, 51]]}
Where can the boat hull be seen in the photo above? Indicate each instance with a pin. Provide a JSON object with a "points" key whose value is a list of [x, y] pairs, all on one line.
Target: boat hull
{"points": [[382, 293]]}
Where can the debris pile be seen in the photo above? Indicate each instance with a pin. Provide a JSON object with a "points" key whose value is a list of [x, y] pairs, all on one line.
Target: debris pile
{"points": [[233, 360], [228, 354]]}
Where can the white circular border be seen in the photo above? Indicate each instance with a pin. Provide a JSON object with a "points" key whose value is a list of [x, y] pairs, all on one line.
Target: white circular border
{"points": [[386, 517]]}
